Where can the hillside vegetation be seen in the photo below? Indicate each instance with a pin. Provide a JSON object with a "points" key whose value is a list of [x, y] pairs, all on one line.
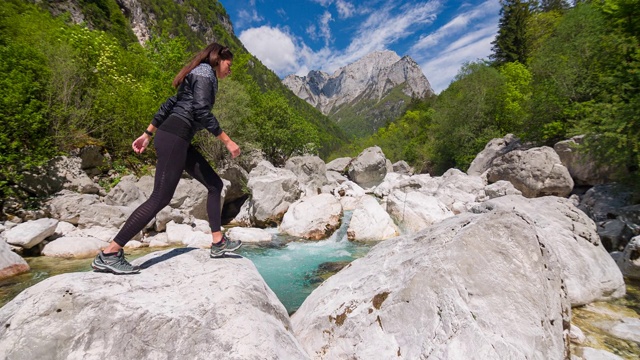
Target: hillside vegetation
{"points": [[68, 85], [575, 70]]}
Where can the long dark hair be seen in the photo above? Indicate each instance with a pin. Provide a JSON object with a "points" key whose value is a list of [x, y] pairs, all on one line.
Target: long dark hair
{"points": [[212, 54]]}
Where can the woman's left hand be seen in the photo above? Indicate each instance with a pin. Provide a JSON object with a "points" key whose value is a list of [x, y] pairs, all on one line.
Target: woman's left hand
{"points": [[233, 148], [141, 143]]}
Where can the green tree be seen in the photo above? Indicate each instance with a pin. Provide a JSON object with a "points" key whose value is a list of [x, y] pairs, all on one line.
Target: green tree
{"points": [[280, 131], [465, 116], [511, 41]]}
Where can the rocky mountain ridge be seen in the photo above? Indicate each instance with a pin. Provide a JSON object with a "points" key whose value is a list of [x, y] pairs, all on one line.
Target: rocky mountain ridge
{"points": [[382, 81]]}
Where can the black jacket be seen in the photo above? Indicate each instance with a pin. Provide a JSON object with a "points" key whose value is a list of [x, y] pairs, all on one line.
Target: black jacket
{"points": [[194, 100]]}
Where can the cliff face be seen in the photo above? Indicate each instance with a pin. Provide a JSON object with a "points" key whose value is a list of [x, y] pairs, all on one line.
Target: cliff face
{"points": [[369, 92], [201, 18]]}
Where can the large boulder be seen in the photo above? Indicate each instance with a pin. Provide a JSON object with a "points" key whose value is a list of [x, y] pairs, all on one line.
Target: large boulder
{"points": [[74, 247], [459, 191], [249, 235], [339, 165], [183, 305], [31, 233], [314, 217], [369, 168], [589, 272], [536, 172], [583, 168], [273, 190], [449, 292], [370, 222], [10, 263], [67, 206], [93, 161], [237, 177], [629, 260], [414, 211], [494, 149], [59, 173], [311, 172]]}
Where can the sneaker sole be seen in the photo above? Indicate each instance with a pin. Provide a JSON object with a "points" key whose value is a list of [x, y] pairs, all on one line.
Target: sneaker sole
{"points": [[106, 269]]}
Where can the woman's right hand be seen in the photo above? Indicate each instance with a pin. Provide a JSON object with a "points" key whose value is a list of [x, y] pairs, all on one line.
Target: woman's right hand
{"points": [[141, 143], [233, 148]]}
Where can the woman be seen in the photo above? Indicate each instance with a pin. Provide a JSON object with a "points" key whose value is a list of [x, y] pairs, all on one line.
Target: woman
{"points": [[174, 126]]}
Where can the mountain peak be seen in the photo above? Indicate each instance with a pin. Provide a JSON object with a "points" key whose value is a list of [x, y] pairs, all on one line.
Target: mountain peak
{"points": [[369, 79]]}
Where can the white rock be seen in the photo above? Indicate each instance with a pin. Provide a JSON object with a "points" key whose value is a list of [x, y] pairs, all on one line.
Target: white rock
{"points": [[134, 244], [314, 217], [198, 239], [158, 240], [178, 307], [74, 247], [449, 292], [10, 263], [629, 261], [31, 233], [589, 272], [415, 211], [536, 172], [370, 222], [339, 165], [576, 335], [249, 235], [273, 190], [369, 168], [311, 172], [177, 233]]}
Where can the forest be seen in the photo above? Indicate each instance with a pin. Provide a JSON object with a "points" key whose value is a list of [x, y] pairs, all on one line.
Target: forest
{"points": [[557, 70]]}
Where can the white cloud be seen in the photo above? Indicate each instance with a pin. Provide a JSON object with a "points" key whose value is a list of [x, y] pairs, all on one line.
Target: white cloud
{"points": [[325, 30], [441, 70], [247, 17], [273, 47], [345, 9], [459, 24]]}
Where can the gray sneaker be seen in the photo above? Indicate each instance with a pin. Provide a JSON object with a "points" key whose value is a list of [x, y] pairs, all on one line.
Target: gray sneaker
{"points": [[225, 246], [115, 264]]}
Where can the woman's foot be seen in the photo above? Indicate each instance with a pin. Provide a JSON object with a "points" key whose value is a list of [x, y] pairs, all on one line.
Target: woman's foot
{"points": [[114, 263], [224, 246]]}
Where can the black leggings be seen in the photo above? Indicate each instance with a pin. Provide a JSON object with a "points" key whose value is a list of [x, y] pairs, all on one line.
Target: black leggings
{"points": [[174, 155]]}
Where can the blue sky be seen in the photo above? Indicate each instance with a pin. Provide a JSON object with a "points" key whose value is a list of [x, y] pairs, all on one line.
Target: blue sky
{"points": [[296, 36]]}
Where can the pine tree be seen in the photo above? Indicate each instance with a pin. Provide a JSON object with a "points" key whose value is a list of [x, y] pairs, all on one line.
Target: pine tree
{"points": [[511, 42]]}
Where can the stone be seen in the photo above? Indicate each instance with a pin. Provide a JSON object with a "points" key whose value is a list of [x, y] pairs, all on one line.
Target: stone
{"points": [[369, 168], [449, 292], [339, 165], [311, 172], [588, 271], [74, 247], [273, 190], [177, 307], [10, 263], [370, 222], [313, 218], [629, 260], [535, 172], [249, 235], [414, 211], [494, 149], [31, 233]]}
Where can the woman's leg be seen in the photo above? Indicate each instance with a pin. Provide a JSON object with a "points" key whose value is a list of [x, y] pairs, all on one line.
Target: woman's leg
{"points": [[171, 152], [198, 167]]}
